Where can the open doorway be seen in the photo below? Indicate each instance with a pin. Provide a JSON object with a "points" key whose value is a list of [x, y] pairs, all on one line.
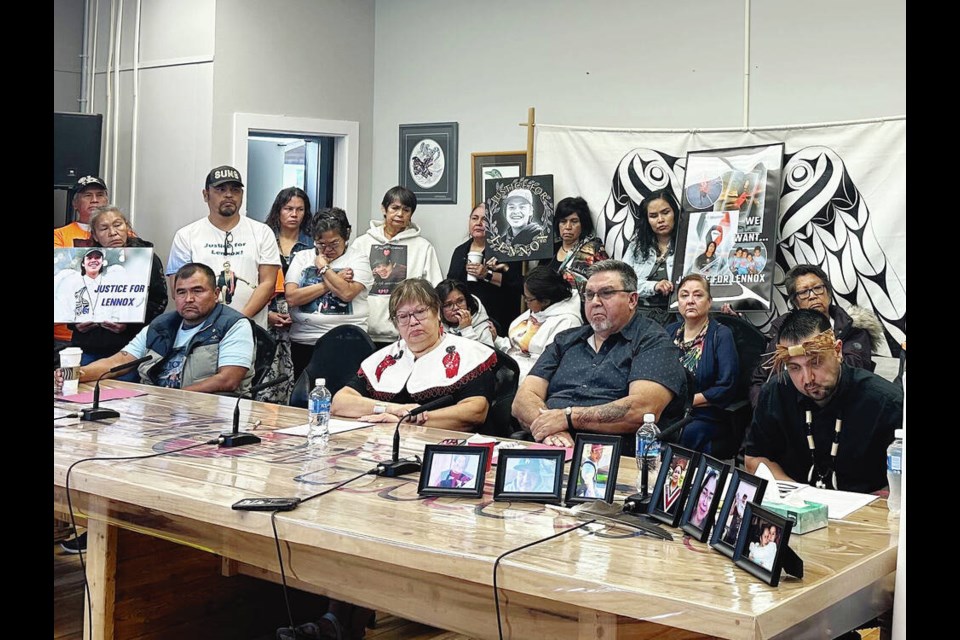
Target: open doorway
{"points": [[327, 152], [277, 161]]}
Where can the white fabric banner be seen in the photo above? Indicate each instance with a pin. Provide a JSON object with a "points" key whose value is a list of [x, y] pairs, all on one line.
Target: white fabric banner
{"points": [[843, 202]]}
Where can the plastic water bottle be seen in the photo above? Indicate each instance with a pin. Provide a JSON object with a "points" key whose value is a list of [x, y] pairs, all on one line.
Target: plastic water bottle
{"points": [[648, 445], [318, 434], [894, 472]]}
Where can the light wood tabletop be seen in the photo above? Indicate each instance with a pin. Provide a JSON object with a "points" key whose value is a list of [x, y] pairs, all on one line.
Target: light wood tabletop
{"points": [[375, 542]]}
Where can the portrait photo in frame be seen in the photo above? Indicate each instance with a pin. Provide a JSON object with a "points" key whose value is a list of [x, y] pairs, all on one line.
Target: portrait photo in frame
{"points": [[529, 475], [744, 488], [488, 165], [673, 482], [593, 470], [705, 494], [453, 471], [428, 161], [763, 545], [519, 216]]}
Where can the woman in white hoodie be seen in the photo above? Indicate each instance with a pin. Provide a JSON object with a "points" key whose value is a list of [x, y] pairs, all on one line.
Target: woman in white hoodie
{"points": [[553, 305], [463, 314], [397, 251]]}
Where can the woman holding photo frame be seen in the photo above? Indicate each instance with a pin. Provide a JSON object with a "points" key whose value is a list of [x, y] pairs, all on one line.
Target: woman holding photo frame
{"points": [[651, 250]]}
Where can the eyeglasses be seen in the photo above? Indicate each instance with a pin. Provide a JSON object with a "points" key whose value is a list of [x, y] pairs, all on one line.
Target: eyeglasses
{"points": [[453, 304], [605, 294], [811, 292], [529, 299], [335, 244], [420, 314]]}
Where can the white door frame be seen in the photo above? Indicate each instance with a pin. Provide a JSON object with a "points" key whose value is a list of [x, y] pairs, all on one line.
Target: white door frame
{"points": [[346, 149]]}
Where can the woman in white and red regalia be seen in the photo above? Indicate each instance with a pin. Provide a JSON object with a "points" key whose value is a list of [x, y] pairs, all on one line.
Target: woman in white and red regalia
{"points": [[424, 364]]}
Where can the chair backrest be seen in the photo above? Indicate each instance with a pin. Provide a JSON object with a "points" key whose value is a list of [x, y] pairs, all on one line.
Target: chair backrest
{"points": [[499, 420], [265, 349], [336, 357]]}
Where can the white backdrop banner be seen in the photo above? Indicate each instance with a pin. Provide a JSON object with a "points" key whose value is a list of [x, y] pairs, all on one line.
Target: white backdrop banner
{"points": [[842, 204]]}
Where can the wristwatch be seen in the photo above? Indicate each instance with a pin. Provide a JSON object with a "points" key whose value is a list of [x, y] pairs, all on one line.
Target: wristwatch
{"points": [[320, 272], [379, 408], [489, 276], [569, 413]]}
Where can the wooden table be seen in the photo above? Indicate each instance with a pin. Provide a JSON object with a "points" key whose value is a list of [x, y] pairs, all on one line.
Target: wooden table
{"points": [[376, 543]]}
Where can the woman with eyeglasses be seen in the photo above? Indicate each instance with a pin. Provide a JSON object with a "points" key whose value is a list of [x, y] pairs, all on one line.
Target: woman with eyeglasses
{"points": [[708, 351], [463, 314], [553, 305], [326, 286], [424, 364]]}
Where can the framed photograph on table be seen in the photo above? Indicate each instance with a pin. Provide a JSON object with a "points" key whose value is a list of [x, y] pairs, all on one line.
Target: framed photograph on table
{"points": [[593, 470], [744, 488], [530, 475], [428, 161], [673, 482], [762, 548], [697, 519], [453, 471], [488, 165]]}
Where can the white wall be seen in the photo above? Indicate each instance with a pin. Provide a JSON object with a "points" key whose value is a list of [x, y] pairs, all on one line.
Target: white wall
{"points": [[175, 107], [301, 58], [620, 63]]}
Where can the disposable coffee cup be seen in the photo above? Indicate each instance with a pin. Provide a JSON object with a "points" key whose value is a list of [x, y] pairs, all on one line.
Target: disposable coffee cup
{"points": [[473, 258], [70, 368]]}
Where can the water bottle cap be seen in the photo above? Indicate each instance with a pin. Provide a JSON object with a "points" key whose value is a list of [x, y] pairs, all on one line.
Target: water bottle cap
{"points": [[321, 382], [649, 417], [898, 434]]}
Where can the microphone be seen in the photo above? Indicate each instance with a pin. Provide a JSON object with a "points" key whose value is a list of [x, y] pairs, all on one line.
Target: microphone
{"points": [[397, 467], [95, 412], [235, 438]]}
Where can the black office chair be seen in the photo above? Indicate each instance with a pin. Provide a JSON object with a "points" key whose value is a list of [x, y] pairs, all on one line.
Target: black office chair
{"points": [[751, 345], [500, 422], [336, 357], [265, 349]]}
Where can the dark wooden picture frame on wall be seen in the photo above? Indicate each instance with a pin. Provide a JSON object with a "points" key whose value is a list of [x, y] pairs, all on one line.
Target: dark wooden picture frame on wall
{"points": [[428, 161], [494, 164]]}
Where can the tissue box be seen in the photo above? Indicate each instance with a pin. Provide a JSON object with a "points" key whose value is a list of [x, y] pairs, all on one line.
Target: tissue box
{"points": [[810, 517]]}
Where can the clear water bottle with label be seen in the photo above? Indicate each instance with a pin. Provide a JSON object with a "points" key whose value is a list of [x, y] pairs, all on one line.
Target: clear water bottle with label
{"points": [[648, 445], [318, 434], [895, 472]]}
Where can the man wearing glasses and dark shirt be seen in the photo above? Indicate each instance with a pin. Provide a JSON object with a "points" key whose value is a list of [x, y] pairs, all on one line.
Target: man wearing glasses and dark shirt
{"points": [[603, 377], [808, 287]]}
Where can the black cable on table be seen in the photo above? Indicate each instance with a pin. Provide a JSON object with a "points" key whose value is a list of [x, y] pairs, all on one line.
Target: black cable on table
{"points": [[496, 564]]}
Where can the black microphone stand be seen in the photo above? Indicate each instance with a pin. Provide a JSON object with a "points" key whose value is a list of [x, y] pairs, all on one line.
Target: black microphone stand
{"points": [[397, 467], [236, 438], [96, 412]]}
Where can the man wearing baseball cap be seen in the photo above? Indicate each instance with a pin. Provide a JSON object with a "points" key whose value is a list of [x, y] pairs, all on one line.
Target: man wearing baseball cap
{"points": [[89, 193], [227, 241], [518, 211]]}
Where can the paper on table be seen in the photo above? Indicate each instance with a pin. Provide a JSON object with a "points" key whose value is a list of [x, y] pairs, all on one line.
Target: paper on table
{"points": [[336, 426], [840, 504]]}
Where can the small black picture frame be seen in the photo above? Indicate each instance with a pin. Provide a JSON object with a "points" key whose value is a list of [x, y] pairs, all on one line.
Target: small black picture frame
{"points": [[666, 501], [762, 545], [428, 161], [743, 489], [705, 494], [599, 478], [453, 471], [529, 475]]}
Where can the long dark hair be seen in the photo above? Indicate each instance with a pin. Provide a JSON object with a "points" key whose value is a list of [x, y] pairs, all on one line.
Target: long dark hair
{"points": [[644, 240], [448, 286], [285, 195]]}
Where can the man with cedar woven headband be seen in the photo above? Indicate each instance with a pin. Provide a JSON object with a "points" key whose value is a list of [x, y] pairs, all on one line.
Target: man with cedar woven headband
{"points": [[818, 419]]}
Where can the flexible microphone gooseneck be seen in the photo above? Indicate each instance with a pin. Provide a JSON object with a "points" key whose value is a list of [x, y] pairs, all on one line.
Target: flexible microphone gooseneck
{"points": [[397, 467], [95, 412], [235, 438]]}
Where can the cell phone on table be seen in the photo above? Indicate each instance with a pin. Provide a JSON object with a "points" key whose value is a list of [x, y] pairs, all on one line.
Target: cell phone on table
{"points": [[266, 504]]}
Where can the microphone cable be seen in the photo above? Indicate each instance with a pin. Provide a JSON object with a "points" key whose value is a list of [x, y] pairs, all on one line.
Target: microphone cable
{"points": [[276, 537], [496, 564], [73, 520]]}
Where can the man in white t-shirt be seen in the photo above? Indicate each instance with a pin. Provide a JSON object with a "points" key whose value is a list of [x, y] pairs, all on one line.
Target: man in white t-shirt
{"points": [[242, 252]]}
